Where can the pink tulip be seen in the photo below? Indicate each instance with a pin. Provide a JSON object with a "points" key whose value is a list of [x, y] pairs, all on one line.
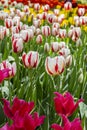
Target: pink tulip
{"points": [[7, 65], [67, 125], [64, 104], [55, 66], [4, 73], [19, 112], [67, 5], [31, 59], [17, 45], [46, 31]]}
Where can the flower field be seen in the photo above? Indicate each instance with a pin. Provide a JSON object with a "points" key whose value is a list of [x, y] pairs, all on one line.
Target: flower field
{"points": [[43, 65]]}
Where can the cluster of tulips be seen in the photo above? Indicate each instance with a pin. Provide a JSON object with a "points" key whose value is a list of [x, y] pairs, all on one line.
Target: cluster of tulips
{"points": [[21, 114], [42, 52]]}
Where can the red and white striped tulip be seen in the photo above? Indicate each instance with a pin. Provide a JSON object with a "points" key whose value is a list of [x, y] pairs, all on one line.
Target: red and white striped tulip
{"points": [[36, 23], [14, 29], [2, 32], [64, 52], [8, 22], [26, 8], [46, 31], [31, 59], [46, 7], [56, 12], [55, 66], [62, 33], [62, 45], [39, 39], [67, 5], [37, 6], [55, 46], [17, 45], [54, 31], [83, 20], [25, 34], [81, 11], [44, 15]]}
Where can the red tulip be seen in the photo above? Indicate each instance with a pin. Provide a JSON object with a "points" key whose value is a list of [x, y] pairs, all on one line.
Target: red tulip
{"points": [[64, 104], [67, 125]]}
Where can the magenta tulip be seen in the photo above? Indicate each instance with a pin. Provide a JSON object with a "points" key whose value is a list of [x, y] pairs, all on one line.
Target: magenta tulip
{"points": [[64, 104]]}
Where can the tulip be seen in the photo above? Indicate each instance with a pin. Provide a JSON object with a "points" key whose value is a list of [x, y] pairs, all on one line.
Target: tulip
{"points": [[8, 23], [67, 125], [44, 15], [31, 59], [67, 5], [64, 104], [39, 39], [16, 20], [79, 42], [36, 23], [50, 18], [46, 31], [83, 20], [7, 65], [81, 11], [25, 35], [37, 6], [17, 45], [62, 33], [54, 31], [4, 74], [55, 46], [64, 52], [55, 66], [68, 60], [62, 45], [46, 47], [19, 112], [56, 25], [56, 12], [46, 7], [38, 31], [2, 32], [26, 8], [14, 29], [61, 18]]}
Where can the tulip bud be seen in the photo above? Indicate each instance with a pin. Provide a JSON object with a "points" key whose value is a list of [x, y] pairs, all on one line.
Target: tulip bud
{"points": [[62, 33], [39, 39], [46, 47], [46, 7], [25, 35], [79, 42], [56, 12], [80, 78], [38, 31], [36, 23]]}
